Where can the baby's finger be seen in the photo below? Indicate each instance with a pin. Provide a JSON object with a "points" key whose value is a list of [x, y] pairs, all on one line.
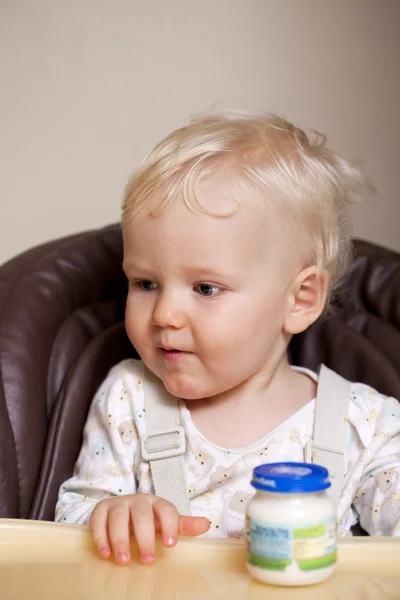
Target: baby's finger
{"points": [[118, 533], [192, 526], [144, 529], [168, 517], [98, 528]]}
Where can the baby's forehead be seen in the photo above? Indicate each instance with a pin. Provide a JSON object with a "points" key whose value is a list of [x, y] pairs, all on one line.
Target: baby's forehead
{"points": [[177, 236]]}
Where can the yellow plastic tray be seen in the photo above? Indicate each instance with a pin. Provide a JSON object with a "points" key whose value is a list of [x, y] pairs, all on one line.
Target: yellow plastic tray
{"points": [[43, 561]]}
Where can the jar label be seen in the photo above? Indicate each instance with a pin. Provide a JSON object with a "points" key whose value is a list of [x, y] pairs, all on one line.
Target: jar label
{"points": [[280, 547]]}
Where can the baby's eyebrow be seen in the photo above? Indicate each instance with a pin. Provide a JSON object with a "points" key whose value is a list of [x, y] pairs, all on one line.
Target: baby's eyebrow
{"points": [[204, 271], [192, 271], [132, 266]]}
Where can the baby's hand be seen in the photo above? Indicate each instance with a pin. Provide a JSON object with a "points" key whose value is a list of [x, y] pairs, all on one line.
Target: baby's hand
{"points": [[146, 515]]}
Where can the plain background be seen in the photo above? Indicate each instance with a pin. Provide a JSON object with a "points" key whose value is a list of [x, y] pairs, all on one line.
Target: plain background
{"points": [[88, 86]]}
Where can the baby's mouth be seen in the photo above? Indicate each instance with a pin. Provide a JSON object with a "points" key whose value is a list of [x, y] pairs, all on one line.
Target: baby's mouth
{"points": [[173, 353]]}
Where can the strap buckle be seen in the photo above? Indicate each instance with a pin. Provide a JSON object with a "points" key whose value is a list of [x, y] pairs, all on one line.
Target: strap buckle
{"points": [[174, 447]]}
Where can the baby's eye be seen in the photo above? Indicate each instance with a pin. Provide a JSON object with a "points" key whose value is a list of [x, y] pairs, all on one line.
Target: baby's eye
{"points": [[146, 285], [207, 289]]}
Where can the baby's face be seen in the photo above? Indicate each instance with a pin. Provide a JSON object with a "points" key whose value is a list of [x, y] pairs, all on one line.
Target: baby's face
{"points": [[208, 297]]}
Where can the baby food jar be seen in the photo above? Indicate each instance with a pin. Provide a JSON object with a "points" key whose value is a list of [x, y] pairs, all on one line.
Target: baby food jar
{"points": [[291, 525]]}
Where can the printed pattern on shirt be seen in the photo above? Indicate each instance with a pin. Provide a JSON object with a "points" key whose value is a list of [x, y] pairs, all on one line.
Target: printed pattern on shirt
{"points": [[218, 479]]}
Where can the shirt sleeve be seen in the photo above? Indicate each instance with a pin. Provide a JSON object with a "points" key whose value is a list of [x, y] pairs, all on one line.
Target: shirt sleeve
{"points": [[377, 497], [105, 466]]}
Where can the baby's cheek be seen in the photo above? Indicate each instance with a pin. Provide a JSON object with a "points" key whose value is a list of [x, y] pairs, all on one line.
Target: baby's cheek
{"points": [[137, 314], [219, 336]]}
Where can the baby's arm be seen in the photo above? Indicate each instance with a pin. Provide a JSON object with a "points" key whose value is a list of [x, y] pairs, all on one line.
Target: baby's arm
{"points": [[104, 468], [377, 498], [103, 490]]}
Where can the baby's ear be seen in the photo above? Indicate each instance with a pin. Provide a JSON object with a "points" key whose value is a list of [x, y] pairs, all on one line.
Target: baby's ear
{"points": [[307, 299]]}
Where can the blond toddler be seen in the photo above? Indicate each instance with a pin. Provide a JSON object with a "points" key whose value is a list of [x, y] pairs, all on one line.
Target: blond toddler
{"points": [[235, 231]]}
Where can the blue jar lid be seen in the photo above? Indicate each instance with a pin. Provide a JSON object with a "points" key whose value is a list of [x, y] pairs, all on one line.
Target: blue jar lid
{"points": [[290, 478]]}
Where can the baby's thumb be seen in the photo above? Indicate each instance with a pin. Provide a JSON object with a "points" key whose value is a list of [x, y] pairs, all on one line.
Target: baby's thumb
{"points": [[192, 526]]}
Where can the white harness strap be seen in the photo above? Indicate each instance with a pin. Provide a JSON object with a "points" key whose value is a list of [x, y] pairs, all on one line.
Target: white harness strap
{"points": [[328, 447], [164, 444]]}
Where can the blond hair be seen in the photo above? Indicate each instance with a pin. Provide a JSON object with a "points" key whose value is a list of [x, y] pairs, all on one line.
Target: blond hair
{"points": [[273, 160]]}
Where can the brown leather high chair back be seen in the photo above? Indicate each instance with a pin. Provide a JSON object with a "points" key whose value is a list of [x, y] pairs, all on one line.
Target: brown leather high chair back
{"points": [[61, 330]]}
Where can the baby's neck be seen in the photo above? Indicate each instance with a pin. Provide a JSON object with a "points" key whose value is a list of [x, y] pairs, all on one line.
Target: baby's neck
{"points": [[243, 415]]}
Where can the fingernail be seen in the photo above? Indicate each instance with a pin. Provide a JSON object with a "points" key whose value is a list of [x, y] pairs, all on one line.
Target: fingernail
{"points": [[105, 552], [123, 557], [170, 541], [147, 558]]}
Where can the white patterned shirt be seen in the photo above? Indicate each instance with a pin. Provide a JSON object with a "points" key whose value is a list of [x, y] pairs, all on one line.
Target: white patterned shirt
{"points": [[218, 479]]}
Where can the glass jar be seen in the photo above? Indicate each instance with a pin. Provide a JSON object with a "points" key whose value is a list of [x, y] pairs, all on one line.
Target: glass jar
{"points": [[291, 525]]}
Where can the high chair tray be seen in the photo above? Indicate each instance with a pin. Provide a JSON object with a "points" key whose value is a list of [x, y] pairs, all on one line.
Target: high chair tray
{"points": [[43, 561]]}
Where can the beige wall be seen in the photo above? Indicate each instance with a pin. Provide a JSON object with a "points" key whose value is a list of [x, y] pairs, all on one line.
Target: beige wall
{"points": [[87, 86]]}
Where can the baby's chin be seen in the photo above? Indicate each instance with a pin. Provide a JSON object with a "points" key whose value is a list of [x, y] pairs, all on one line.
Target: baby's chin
{"points": [[185, 387], [185, 390]]}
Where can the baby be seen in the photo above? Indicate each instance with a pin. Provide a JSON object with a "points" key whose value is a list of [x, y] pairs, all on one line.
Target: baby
{"points": [[235, 232]]}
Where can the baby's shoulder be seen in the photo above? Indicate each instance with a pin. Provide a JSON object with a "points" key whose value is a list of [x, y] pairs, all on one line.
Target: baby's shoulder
{"points": [[366, 397], [124, 378], [371, 412], [120, 398], [131, 368]]}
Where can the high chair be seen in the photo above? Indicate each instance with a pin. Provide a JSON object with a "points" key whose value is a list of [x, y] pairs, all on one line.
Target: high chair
{"points": [[61, 330]]}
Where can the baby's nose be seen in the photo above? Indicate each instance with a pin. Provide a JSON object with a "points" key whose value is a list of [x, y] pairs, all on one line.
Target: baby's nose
{"points": [[169, 312]]}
